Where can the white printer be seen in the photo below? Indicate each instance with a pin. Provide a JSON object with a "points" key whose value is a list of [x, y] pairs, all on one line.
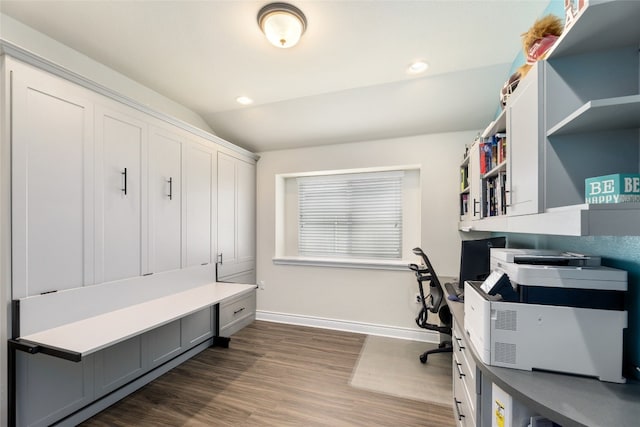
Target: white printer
{"points": [[548, 310]]}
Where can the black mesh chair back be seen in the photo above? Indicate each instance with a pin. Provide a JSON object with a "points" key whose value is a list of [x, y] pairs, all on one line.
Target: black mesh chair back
{"points": [[433, 302]]}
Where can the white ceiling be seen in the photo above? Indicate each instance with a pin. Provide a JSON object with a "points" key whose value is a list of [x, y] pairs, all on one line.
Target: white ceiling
{"points": [[345, 81]]}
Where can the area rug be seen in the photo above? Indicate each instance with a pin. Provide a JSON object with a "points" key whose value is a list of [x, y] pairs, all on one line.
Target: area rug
{"points": [[392, 366]]}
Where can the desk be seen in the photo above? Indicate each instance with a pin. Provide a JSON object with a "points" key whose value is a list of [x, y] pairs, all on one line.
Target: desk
{"points": [[565, 399], [88, 336]]}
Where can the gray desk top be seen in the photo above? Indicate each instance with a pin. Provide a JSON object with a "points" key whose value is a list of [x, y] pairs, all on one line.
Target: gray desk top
{"points": [[568, 400]]}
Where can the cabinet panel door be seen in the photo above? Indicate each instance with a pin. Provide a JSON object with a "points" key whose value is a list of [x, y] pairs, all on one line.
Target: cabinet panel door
{"points": [[165, 198], [120, 144], [197, 194], [52, 206], [525, 122], [162, 344], [49, 388], [118, 364], [246, 212], [226, 208], [475, 182], [197, 327]]}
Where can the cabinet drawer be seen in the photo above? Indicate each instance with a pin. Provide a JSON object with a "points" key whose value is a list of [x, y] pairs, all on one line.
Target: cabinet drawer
{"points": [[461, 349], [461, 372], [237, 313], [463, 409]]}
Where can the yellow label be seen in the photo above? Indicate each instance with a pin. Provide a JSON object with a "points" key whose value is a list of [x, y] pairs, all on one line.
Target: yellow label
{"points": [[499, 414]]}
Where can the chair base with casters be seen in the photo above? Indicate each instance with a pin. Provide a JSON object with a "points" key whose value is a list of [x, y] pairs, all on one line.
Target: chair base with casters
{"points": [[432, 303], [445, 317]]}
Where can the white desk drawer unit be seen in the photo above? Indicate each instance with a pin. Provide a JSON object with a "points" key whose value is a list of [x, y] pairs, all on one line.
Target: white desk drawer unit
{"points": [[237, 313], [464, 381]]}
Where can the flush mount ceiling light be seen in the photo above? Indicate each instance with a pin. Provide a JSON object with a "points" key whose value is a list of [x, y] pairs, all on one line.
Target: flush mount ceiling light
{"points": [[282, 23]]}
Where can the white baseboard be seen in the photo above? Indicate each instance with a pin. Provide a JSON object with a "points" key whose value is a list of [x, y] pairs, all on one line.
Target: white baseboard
{"points": [[350, 326]]}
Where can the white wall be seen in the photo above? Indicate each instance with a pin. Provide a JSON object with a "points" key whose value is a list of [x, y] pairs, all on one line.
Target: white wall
{"points": [[358, 296], [54, 51]]}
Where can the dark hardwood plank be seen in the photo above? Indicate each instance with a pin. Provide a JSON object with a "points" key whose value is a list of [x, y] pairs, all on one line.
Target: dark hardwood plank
{"points": [[272, 375]]}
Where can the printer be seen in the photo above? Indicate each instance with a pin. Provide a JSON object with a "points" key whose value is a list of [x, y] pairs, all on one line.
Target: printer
{"points": [[548, 310]]}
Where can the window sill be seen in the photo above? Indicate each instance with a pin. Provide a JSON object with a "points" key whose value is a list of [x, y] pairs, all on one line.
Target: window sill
{"points": [[343, 263]]}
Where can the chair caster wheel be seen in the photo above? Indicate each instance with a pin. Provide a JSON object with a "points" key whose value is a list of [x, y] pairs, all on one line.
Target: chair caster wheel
{"points": [[423, 358]]}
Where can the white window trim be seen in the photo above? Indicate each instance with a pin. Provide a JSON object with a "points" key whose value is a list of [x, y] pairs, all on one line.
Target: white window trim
{"points": [[281, 258], [343, 263]]}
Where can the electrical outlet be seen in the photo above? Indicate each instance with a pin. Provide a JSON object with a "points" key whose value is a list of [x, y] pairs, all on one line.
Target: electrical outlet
{"points": [[417, 299], [261, 284]]}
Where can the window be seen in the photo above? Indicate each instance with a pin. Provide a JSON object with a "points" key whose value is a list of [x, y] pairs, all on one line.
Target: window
{"points": [[356, 215], [354, 218]]}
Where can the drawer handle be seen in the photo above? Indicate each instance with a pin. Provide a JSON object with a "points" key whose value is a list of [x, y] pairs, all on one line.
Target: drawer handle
{"points": [[460, 415], [238, 311], [460, 346], [460, 373]]}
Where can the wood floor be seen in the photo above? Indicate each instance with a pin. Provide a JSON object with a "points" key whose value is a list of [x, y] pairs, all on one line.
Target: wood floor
{"points": [[272, 375]]}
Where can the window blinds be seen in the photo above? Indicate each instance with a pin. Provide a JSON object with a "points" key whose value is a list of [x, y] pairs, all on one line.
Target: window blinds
{"points": [[351, 215]]}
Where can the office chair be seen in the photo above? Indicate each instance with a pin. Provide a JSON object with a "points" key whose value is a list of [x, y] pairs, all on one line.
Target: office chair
{"points": [[433, 302]]}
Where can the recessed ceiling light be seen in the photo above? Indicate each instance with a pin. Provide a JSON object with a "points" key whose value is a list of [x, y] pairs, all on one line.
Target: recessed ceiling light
{"points": [[417, 67], [244, 100]]}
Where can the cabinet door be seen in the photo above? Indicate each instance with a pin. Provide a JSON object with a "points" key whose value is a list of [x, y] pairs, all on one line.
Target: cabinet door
{"points": [[226, 209], [197, 205], [236, 216], [118, 364], [165, 198], [49, 388], [120, 144], [525, 124], [52, 184], [475, 182], [246, 212]]}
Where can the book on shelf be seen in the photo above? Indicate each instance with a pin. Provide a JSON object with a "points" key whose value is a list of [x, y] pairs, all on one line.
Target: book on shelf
{"points": [[493, 151], [464, 204], [495, 195], [464, 178]]}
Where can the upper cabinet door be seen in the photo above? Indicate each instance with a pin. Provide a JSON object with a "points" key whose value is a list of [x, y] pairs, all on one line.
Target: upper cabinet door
{"points": [[246, 212], [226, 217], [524, 154], [236, 217], [52, 207], [165, 198], [120, 165], [197, 204]]}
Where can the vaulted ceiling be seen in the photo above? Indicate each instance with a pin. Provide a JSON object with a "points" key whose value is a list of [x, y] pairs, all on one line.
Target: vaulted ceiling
{"points": [[345, 81]]}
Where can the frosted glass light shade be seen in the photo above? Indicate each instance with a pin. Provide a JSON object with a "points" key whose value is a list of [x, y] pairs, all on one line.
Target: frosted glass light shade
{"points": [[282, 24]]}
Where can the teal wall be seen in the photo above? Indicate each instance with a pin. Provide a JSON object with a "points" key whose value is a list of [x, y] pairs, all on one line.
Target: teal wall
{"points": [[617, 252]]}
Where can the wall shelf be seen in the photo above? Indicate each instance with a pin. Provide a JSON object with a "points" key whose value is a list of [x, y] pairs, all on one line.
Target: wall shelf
{"points": [[592, 30], [620, 219], [599, 115]]}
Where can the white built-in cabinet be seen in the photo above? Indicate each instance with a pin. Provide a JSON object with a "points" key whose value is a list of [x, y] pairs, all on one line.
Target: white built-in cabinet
{"points": [[236, 219], [102, 192], [575, 115]]}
